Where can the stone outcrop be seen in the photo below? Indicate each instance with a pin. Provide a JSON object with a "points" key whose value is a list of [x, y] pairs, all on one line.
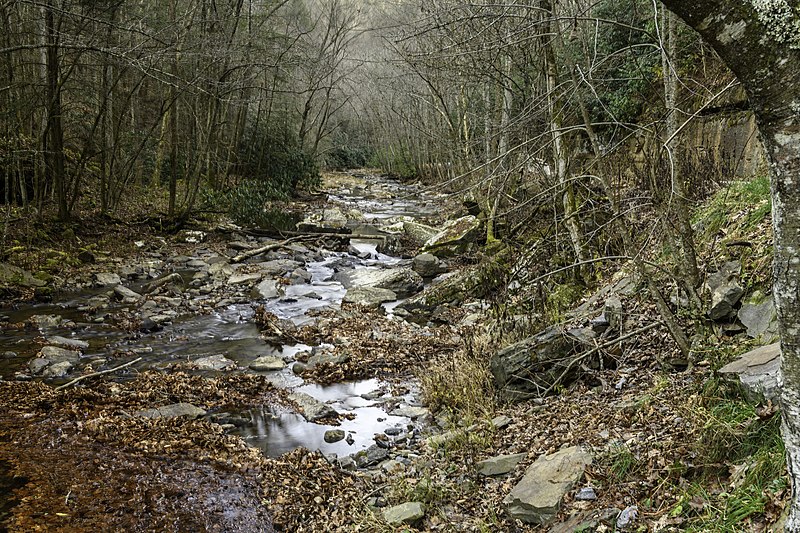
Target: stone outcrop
{"points": [[725, 290], [758, 315], [537, 498], [758, 372], [401, 281]]}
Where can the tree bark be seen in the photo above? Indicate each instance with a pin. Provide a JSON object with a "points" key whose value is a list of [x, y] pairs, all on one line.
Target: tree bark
{"points": [[759, 43], [54, 146]]}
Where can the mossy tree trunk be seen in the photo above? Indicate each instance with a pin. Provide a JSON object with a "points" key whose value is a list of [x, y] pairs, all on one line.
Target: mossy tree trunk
{"points": [[760, 43]]}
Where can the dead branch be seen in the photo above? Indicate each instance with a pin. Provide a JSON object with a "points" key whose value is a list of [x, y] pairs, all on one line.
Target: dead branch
{"points": [[94, 374]]}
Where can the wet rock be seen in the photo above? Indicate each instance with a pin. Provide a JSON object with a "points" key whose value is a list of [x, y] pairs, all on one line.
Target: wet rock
{"points": [[63, 342], [8, 355], [758, 315], [244, 279], [37, 365], [173, 279], [127, 295], [300, 275], [11, 275], [428, 265], [758, 372], [269, 288], [148, 325], [220, 271], [54, 354], [175, 410], [537, 498], [405, 513], [299, 368], [107, 278], [333, 435], [418, 233], [455, 237], [502, 464], [57, 370], [216, 362], [46, 321], [311, 408], [267, 363], [278, 267], [371, 297], [371, 456], [402, 281], [326, 357]]}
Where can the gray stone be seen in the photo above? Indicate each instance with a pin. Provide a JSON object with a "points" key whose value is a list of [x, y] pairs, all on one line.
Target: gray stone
{"points": [[311, 408], [46, 321], [402, 281], [501, 421], [758, 315], [269, 288], [613, 313], [326, 357], [11, 275], [502, 464], [371, 456], [37, 364], [725, 290], [537, 498], [627, 517], [586, 494], [405, 513], [126, 295], [63, 342], [216, 362], [329, 221], [455, 237], [244, 278], [107, 278], [57, 370], [758, 371], [411, 412], [278, 267], [298, 368], [267, 362], [418, 233], [220, 270], [333, 435], [54, 354], [371, 297], [175, 410], [427, 265]]}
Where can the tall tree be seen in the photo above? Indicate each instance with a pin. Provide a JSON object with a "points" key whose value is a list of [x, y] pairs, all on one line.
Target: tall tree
{"points": [[759, 40]]}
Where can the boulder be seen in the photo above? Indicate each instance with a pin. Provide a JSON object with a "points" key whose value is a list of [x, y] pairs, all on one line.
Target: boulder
{"points": [[371, 297], [333, 435], [126, 295], [725, 290], [37, 365], [57, 370], [326, 357], [11, 275], [216, 362], [427, 265], [371, 456], [63, 342], [537, 498], [411, 412], [758, 372], [311, 408], [54, 354], [244, 278], [278, 267], [405, 513], [758, 315], [331, 220], [175, 410], [526, 368], [402, 281], [418, 233], [455, 237], [502, 464], [107, 278], [267, 363], [269, 288]]}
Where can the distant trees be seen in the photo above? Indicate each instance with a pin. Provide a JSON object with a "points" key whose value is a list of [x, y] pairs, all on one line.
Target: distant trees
{"points": [[107, 96]]}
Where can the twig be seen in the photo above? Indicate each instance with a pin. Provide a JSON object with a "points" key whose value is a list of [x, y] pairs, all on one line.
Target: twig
{"points": [[93, 374]]}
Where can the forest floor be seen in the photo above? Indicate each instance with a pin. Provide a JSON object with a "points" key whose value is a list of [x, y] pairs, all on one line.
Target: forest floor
{"points": [[673, 446]]}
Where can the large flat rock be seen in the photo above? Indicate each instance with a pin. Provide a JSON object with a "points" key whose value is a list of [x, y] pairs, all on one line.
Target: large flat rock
{"points": [[537, 498], [311, 408], [401, 281], [758, 371]]}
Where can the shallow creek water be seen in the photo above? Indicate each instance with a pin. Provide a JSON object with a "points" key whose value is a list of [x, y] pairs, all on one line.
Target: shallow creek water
{"points": [[229, 330]]}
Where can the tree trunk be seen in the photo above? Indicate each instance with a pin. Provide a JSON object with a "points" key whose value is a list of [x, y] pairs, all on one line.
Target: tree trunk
{"points": [[54, 149], [759, 42]]}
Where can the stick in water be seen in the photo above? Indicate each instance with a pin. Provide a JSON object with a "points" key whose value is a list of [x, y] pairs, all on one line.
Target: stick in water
{"points": [[93, 374]]}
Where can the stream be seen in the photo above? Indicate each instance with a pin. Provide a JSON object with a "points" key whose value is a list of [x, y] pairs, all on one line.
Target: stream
{"points": [[213, 315]]}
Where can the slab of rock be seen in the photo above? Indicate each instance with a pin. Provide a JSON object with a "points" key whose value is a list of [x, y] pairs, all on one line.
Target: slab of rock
{"points": [[725, 290], [427, 265], [244, 279], [537, 498], [758, 371], [418, 233], [55, 354], [405, 513], [371, 456], [127, 295], [266, 363], [64, 342], [107, 278], [216, 362], [37, 365], [57, 370], [455, 237], [279, 267], [175, 410], [324, 357], [12, 275], [502, 464], [758, 315], [329, 221], [371, 297], [46, 321], [402, 281], [411, 412], [311, 408], [269, 288]]}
